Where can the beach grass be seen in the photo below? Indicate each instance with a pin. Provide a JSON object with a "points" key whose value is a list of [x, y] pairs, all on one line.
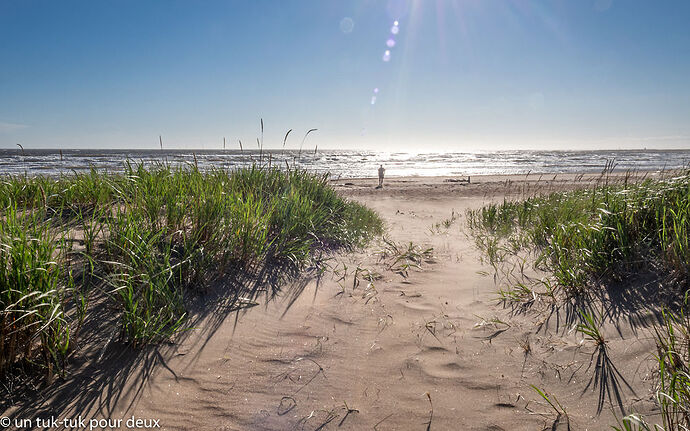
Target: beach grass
{"points": [[599, 234], [148, 238], [587, 239], [33, 285], [673, 357]]}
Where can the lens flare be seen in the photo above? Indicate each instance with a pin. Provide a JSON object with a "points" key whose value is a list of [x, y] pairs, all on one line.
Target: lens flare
{"points": [[347, 25], [390, 44]]}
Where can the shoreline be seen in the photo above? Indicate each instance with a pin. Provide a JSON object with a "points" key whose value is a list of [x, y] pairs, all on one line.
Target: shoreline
{"points": [[486, 187], [532, 176]]}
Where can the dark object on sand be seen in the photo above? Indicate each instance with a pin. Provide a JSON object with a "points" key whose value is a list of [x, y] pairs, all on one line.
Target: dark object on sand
{"points": [[458, 180]]}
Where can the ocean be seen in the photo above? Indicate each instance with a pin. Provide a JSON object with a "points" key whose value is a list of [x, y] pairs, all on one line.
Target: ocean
{"points": [[348, 164]]}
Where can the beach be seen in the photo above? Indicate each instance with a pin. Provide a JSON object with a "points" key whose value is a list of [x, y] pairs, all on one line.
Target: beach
{"points": [[345, 215], [369, 344]]}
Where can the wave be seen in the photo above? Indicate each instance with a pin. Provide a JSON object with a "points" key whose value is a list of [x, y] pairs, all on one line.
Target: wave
{"points": [[349, 164]]}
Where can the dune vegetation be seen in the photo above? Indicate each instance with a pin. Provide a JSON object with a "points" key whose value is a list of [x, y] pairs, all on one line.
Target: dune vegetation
{"points": [[146, 240], [587, 239]]}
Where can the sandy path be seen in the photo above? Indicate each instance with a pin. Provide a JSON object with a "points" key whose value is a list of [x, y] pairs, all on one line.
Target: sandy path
{"points": [[380, 357], [376, 350]]}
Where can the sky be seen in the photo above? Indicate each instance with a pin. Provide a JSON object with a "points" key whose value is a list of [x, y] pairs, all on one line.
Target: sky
{"points": [[409, 75]]}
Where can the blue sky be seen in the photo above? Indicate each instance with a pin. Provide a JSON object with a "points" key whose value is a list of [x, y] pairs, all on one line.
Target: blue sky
{"points": [[463, 74]]}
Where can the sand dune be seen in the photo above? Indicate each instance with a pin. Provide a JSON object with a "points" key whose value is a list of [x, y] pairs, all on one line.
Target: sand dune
{"points": [[393, 353]]}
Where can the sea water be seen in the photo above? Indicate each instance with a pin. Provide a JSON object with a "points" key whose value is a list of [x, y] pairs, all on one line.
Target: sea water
{"points": [[346, 163]]}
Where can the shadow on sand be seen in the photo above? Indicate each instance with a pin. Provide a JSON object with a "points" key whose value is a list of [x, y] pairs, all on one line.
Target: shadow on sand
{"points": [[635, 303], [632, 304], [105, 373]]}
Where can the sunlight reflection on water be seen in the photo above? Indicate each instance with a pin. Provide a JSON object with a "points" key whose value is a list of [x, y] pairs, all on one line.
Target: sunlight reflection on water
{"points": [[348, 164]]}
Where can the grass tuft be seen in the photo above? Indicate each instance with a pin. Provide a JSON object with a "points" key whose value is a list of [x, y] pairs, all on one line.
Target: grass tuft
{"points": [[586, 239], [589, 236], [149, 237]]}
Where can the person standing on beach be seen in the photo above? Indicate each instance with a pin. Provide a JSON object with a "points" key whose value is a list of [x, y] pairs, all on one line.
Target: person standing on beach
{"points": [[381, 172]]}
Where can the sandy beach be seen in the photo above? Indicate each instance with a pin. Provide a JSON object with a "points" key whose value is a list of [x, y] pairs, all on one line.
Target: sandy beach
{"points": [[366, 347]]}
